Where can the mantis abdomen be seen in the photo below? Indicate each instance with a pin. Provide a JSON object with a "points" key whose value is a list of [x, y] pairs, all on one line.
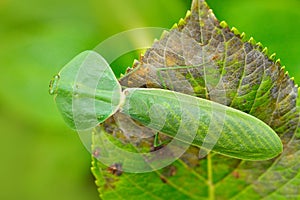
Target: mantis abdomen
{"points": [[179, 115]]}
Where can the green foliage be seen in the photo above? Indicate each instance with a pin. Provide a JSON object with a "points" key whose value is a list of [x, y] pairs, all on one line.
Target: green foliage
{"points": [[41, 157], [254, 83]]}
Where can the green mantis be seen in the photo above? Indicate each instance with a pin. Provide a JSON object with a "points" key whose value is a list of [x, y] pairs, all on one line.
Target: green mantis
{"points": [[87, 93]]}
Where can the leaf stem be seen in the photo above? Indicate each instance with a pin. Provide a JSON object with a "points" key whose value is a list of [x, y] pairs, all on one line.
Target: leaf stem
{"points": [[211, 186]]}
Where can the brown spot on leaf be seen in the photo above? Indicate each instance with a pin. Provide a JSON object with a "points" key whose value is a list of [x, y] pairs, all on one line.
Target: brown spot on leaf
{"points": [[163, 179], [215, 57], [109, 183], [169, 171], [128, 70], [96, 153], [236, 174], [115, 169], [173, 170]]}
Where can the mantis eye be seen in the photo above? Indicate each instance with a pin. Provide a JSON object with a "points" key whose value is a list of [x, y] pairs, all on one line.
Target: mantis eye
{"points": [[53, 85]]}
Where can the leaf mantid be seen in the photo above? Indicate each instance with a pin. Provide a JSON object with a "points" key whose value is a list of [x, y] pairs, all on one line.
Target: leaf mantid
{"points": [[255, 83], [242, 136]]}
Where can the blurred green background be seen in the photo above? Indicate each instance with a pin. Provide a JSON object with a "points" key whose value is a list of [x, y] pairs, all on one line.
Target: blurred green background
{"points": [[41, 158]]}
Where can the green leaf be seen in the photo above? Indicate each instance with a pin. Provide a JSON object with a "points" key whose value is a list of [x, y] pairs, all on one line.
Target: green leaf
{"points": [[251, 81]]}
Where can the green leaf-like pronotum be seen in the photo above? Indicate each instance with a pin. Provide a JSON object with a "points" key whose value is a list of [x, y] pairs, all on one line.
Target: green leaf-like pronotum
{"points": [[86, 91], [228, 69]]}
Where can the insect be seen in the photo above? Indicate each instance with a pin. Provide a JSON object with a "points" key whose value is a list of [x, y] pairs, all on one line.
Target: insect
{"points": [[87, 93]]}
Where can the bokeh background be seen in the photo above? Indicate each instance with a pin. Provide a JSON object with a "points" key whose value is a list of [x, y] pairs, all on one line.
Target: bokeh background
{"points": [[41, 158]]}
